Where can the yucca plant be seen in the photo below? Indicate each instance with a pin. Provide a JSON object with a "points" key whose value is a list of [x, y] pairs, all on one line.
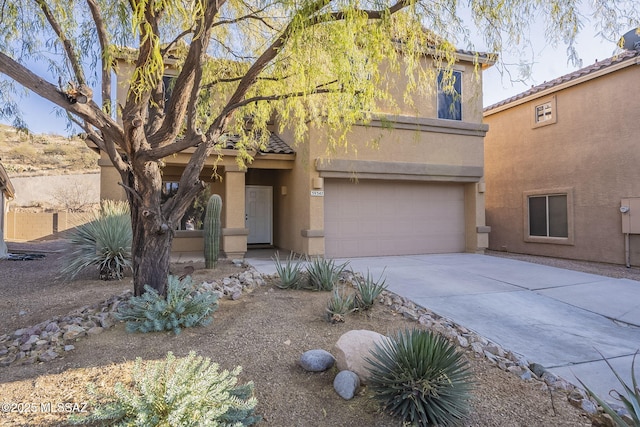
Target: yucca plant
{"points": [[368, 290], [183, 307], [324, 273], [290, 272], [177, 392], [103, 242], [420, 377], [631, 401], [340, 304]]}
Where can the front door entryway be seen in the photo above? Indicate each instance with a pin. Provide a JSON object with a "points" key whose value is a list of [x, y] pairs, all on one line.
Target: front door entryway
{"points": [[258, 214]]}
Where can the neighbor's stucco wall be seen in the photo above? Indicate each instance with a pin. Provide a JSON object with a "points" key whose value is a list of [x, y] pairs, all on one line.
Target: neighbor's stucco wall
{"points": [[593, 149]]}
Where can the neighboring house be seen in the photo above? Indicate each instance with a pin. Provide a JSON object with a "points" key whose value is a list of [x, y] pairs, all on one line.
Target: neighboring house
{"points": [[6, 193], [562, 165], [421, 191]]}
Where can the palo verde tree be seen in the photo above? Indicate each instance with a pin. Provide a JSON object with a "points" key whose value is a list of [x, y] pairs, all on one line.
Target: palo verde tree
{"points": [[238, 64]]}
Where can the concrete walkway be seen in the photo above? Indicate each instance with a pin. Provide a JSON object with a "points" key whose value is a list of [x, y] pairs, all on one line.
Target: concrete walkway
{"points": [[558, 318]]}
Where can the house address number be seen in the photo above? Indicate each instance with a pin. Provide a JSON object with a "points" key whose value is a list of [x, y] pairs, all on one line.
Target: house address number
{"points": [[317, 193]]}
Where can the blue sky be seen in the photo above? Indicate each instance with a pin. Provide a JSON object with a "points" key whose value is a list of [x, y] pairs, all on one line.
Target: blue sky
{"points": [[549, 63]]}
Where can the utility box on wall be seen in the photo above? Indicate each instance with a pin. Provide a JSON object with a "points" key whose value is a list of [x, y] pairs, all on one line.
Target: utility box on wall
{"points": [[630, 210]]}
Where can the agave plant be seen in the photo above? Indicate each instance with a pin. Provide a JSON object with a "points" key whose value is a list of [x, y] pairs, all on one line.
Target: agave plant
{"points": [[368, 290], [290, 272], [340, 304], [104, 242], [324, 273], [631, 401], [420, 377]]}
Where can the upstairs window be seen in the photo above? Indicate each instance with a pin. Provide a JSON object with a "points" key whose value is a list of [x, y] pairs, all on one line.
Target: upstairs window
{"points": [[450, 96], [544, 112]]}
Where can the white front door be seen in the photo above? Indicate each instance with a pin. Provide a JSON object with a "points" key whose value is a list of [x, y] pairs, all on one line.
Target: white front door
{"points": [[258, 214]]}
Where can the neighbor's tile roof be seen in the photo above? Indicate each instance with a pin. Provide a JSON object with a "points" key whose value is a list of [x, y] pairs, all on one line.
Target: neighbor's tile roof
{"points": [[599, 65], [275, 146]]}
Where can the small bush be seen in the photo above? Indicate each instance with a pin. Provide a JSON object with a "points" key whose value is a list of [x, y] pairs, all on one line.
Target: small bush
{"points": [[182, 308], [105, 242], [368, 290], [190, 391], [631, 401], [324, 273], [421, 378], [290, 272], [339, 305]]}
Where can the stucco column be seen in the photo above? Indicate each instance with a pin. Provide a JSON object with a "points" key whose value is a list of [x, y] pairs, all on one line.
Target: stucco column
{"points": [[476, 230], [234, 232]]}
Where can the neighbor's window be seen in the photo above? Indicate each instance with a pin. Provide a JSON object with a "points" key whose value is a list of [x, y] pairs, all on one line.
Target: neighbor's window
{"points": [[194, 217], [548, 216], [450, 96], [543, 112]]}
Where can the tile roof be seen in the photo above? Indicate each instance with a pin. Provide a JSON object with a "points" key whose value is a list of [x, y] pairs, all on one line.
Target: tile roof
{"points": [[599, 65], [275, 145]]}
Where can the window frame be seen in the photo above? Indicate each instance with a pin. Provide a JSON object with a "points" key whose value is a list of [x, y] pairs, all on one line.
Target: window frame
{"points": [[456, 98], [550, 113], [173, 183], [568, 192]]}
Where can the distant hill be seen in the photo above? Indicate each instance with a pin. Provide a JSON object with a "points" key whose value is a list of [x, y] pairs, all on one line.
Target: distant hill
{"points": [[25, 154]]}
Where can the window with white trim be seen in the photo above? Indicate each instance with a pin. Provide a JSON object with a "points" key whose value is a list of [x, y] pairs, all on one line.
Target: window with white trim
{"points": [[543, 112]]}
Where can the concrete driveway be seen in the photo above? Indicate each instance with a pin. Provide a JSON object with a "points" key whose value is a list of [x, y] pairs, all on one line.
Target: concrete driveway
{"points": [[558, 318]]}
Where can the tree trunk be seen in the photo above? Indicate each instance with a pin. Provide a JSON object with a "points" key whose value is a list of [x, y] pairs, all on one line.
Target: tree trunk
{"points": [[152, 234]]}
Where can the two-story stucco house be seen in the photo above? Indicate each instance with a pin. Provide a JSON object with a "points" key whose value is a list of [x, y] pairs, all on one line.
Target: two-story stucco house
{"points": [[420, 191], [562, 162]]}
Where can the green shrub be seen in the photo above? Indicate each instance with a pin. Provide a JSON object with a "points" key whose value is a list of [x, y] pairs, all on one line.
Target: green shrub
{"points": [[324, 273], [189, 391], [368, 290], [339, 305], [290, 272], [182, 308], [104, 242], [421, 378], [631, 401]]}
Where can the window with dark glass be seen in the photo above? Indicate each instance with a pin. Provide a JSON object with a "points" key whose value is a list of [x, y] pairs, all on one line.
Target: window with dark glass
{"points": [[548, 216], [194, 217], [544, 112], [450, 96]]}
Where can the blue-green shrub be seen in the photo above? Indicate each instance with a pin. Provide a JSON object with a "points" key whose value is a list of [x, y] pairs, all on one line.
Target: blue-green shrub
{"points": [[183, 307], [185, 392]]}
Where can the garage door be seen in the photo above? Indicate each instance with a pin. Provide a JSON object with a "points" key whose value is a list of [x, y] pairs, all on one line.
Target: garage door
{"points": [[371, 218]]}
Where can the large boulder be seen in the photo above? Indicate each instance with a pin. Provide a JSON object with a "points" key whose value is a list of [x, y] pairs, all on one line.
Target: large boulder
{"points": [[351, 349]]}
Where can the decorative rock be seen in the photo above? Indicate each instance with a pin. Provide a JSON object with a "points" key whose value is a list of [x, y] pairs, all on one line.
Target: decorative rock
{"points": [[73, 332], [69, 347], [95, 330], [351, 349], [588, 406], [316, 360], [346, 384], [537, 369], [48, 355]]}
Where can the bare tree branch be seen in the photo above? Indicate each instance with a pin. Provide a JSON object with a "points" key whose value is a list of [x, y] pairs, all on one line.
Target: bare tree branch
{"points": [[104, 48], [66, 43]]}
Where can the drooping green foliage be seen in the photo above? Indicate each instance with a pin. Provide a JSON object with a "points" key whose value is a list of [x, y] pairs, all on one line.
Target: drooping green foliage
{"points": [[183, 307], [324, 273], [630, 399], [368, 290], [419, 377], [103, 242], [212, 231], [177, 392], [290, 272]]}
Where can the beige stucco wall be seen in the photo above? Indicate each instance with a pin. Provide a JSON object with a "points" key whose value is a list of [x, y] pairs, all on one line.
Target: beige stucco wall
{"points": [[592, 149], [26, 226]]}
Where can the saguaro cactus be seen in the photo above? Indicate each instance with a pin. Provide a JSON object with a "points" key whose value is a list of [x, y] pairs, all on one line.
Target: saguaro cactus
{"points": [[212, 230]]}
